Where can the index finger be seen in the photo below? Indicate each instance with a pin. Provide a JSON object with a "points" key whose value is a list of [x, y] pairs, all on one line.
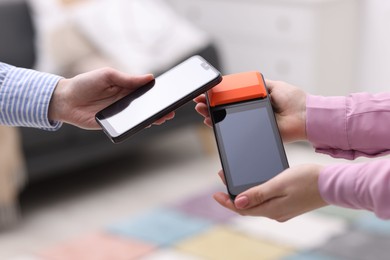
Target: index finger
{"points": [[200, 99], [270, 84]]}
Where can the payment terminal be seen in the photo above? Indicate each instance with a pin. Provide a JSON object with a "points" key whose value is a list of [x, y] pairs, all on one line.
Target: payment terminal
{"points": [[249, 144]]}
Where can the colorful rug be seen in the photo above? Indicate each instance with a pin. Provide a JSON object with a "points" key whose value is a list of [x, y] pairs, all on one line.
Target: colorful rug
{"points": [[198, 228]]}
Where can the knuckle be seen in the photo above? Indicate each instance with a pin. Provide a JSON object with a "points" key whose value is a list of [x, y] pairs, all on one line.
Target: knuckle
{"points": [[108, 71], [277, 216], [259, 197], [243, 214], [281, 220]]}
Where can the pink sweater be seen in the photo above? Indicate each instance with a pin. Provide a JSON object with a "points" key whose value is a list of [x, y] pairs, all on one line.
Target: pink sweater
{"points": [[348, 127]]}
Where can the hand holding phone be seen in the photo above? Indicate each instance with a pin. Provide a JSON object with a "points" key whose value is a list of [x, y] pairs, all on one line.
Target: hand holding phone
{"points": [[246, 132], [163, 95]]}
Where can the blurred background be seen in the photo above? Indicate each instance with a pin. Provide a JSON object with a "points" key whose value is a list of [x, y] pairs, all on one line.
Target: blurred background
{"points": [[73, 194]]}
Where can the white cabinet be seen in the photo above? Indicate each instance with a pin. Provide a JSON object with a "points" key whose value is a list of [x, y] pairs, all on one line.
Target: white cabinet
{"points": [[309, 43], [374, 67]]}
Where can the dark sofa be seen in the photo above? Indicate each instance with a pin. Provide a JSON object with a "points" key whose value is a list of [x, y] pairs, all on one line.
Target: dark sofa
{"points": [[70, 148]]}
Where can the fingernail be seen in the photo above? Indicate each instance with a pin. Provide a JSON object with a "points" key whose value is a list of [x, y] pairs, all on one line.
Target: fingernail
{"points": [[241, 202]]}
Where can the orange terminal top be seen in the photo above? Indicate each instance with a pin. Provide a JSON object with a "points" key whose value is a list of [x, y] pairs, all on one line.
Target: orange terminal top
{"points": [[237, 87]]}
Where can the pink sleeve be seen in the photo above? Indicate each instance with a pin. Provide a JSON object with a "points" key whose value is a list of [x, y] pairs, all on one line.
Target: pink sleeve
{"points": [[359, 186], [349, 127]]}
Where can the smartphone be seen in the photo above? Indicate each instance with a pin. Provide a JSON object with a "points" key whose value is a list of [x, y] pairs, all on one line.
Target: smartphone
{"points": [[164, 94], [247, 135]]}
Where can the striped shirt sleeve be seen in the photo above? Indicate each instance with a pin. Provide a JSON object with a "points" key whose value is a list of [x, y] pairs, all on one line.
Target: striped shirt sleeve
{"points": [[25, 96]]}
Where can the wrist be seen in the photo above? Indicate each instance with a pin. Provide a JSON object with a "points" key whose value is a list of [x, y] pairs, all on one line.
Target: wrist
{"points": [[296, 119], [303, 118], [57, 106], [317, 169]]}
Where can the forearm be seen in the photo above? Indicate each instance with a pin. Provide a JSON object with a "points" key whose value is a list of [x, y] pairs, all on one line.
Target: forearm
{"points": [[349, 127], [359, 186], [25, 97]]}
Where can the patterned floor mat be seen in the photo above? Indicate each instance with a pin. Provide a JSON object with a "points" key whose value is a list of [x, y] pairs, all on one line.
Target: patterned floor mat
{"points": [[198, 228]]}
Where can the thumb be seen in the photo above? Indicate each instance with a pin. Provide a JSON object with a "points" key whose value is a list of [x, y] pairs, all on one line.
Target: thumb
{"points": [[257, 195], [138, 81], [125, 80]]}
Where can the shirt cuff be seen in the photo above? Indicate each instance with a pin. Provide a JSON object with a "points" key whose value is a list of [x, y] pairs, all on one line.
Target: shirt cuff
{"points": [[326, 125]]}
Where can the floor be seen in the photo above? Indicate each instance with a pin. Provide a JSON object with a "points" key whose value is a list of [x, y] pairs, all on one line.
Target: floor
{"points": [[156, 204]]}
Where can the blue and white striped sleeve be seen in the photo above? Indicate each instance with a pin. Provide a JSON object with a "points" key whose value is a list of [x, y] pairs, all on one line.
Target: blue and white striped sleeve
{"points": [[25, 97]]}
